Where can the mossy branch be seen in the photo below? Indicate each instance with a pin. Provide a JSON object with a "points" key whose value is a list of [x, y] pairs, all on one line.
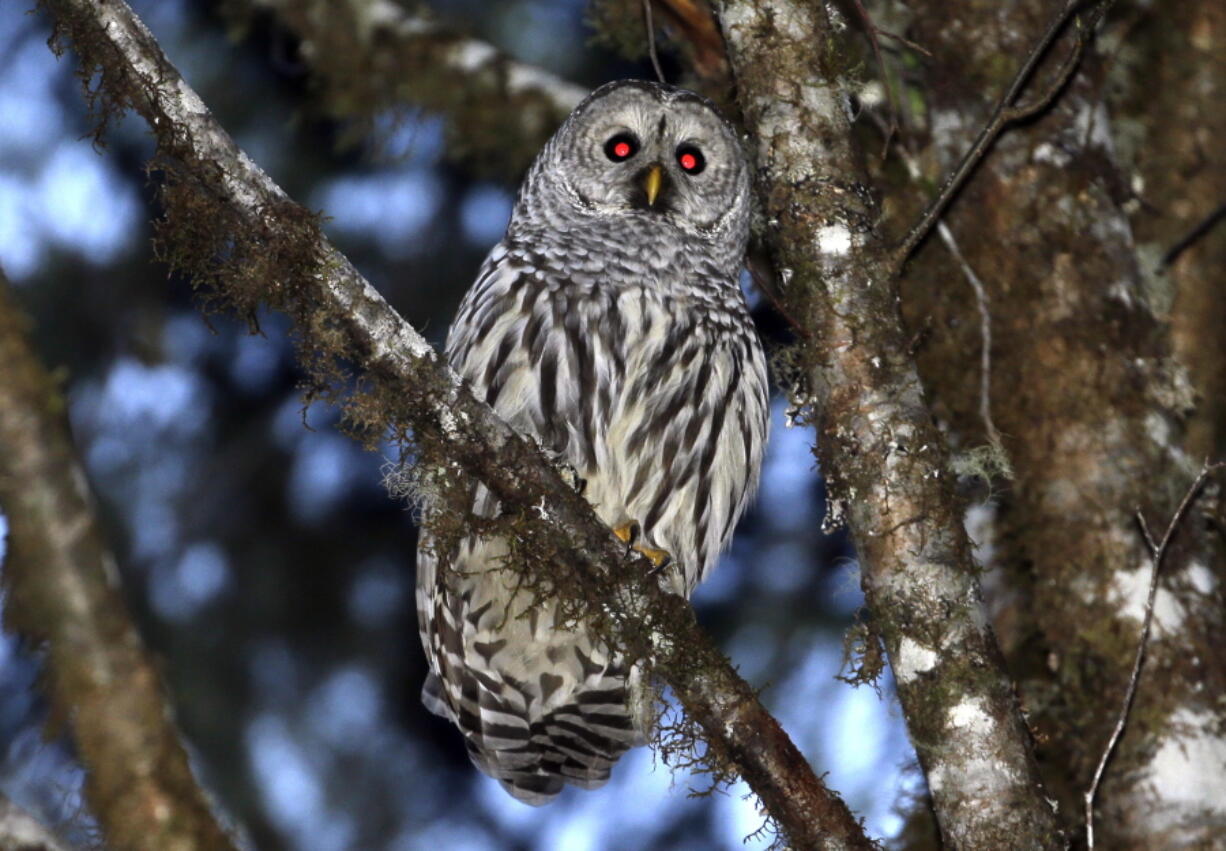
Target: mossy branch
{"points": [[63, 594], [235, 232]]}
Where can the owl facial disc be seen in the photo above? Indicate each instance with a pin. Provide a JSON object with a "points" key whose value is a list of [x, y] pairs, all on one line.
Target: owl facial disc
{"points": [[636, 151]]}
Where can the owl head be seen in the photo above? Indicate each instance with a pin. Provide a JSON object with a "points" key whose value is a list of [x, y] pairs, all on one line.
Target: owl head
{"points": [[649, 152]]}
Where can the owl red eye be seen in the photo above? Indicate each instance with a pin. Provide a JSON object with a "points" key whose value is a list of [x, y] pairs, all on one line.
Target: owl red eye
{"points": [[621, 147], [691, 159]]}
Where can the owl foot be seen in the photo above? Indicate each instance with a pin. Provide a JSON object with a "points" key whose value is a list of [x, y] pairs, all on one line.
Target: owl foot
{"points": [[629, 533], [659, 559]]}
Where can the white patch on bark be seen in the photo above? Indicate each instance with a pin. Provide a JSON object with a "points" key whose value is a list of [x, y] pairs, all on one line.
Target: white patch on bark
{"points": [[950, 134], [447, 421], [471, 55], [913, 660], [977, 777], [1188, 773], [970, 714], [1093, 119], [1158, 429], [833, 239], [1121, 291], [1049, 153]]}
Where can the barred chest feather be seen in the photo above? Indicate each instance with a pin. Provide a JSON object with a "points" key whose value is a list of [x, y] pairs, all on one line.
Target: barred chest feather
{"points": [[641, 369]]}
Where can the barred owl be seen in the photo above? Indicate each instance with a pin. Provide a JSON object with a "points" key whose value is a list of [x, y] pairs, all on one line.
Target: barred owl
{"points": [[609, 325]]}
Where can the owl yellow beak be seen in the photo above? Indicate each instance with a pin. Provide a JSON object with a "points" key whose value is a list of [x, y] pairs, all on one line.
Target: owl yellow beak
{"points": [[652, 181]]}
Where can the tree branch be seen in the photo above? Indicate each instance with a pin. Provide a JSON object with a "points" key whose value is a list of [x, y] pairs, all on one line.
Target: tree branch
{"points": [[272, 250], [63, 593], [372, 55], [1006, 113], [1157, 553], [885, 462]]}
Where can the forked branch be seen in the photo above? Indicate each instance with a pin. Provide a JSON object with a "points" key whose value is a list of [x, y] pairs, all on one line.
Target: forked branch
{"points": [[1157, 552], [1007, 112]]}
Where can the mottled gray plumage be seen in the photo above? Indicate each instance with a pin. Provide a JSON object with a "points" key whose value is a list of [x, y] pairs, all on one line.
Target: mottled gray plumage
{"points": [[609, 324]]}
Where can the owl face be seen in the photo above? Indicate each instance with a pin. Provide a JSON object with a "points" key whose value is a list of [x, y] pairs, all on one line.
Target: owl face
{"points": [[652, 151]]}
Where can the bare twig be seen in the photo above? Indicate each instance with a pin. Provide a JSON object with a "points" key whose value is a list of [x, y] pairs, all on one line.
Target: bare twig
{"points": [[339, 314], [903, 40], [1198, 231], [981, 299], [1157, 554], [63, 594], [651, 40], [1003, 115], [871, 29], [691, 22], [985, 333]]}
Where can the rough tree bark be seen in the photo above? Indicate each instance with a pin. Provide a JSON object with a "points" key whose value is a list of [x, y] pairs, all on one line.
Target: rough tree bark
{"points": [[62, 593], [1091, 399], [220, 204], [884, 460]]}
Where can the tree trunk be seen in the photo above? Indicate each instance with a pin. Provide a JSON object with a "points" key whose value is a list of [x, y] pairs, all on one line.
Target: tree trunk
{"points": [[1092, 400]]}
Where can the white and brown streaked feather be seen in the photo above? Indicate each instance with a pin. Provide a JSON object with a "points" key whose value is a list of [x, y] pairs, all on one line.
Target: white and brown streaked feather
{"points": [[617, 337]]}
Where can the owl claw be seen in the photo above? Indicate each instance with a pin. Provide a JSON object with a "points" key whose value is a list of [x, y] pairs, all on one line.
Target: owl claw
{"points": [[627, 533], [659, 559]]}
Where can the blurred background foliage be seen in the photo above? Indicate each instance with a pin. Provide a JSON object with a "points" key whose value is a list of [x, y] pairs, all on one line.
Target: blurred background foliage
{"points": [[267, 568]]}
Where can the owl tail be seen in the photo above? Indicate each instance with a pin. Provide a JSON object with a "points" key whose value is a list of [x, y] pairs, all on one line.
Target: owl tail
{"points": [[576, 743]]}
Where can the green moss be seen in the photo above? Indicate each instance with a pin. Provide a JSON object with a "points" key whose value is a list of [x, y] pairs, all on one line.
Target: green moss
{"points": [[863, 655]]}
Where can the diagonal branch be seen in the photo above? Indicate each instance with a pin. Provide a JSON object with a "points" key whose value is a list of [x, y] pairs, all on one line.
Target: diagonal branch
{"points": [[1007, 112], [62, 592], [271, 250], [1157, 552]]}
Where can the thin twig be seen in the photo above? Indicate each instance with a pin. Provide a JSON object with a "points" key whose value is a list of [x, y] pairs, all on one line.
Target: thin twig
{"points": [[651, 40], [871, 29], [1157, 553], [1003, 115], [903, 40], [1199, 230], [981, 297], [985, 332]]}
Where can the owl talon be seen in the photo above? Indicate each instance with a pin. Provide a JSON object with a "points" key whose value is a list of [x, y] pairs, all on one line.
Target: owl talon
{"points": [[659, 559], [627, 533]]}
